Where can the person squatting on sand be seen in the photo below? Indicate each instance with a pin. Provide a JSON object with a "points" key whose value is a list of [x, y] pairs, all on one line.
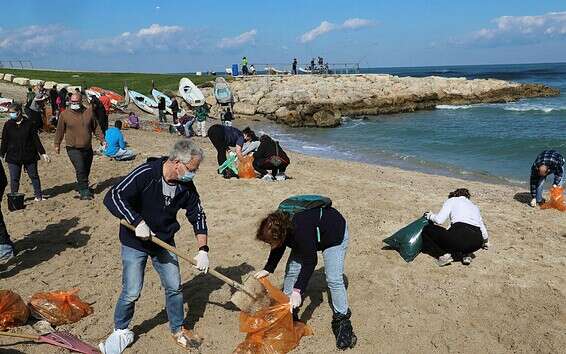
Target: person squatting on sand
{"points": [[251, 142], [270, 156], [547, 162], [467, 232], [149, 198], [223, 137], [116, 145], [7, 251], [77, 125], [305, 233], [226, 117], [21, 147], [133, 121]]}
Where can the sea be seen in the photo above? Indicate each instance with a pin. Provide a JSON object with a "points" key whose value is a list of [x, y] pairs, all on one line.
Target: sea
{"points": [[495, 143]]}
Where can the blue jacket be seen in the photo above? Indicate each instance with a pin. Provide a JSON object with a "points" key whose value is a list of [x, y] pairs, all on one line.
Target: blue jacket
{"points": [[139, 196], [114, 141]]}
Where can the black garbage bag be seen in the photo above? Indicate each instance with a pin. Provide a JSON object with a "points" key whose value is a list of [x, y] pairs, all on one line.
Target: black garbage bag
{"points": [[408, 240]]}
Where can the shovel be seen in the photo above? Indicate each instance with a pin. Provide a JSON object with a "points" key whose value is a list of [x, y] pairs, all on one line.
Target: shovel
{"points": [[249, 296], [58, 339]]}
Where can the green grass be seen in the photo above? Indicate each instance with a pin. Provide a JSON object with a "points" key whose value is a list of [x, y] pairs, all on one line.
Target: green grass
{"points": [[111, 81]]}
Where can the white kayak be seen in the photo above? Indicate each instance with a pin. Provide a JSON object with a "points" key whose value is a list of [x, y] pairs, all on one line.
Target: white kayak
{"points": [[90, 93], [190, 93], [222, 91], [143, 102], [305, 71], [157, 96]]}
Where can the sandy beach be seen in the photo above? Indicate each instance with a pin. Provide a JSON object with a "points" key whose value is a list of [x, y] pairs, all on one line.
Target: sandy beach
{"points": [[512, 299]]}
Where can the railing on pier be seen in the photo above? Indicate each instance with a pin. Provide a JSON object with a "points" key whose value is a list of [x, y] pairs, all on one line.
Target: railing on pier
{"points": [[302, 69], [16, 63]]}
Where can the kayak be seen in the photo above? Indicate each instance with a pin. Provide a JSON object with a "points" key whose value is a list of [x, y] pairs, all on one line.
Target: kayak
{"points": [[115, 98], [143, 102], [222, 91], [190, 93]]}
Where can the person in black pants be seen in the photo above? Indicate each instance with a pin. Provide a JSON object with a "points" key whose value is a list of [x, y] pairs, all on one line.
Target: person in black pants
{"points": [[161, 107], [270, 156], [174, 109], [99, 113], [53, 100], [21, 147], [223, 137], [467, 232], [7, 251]]}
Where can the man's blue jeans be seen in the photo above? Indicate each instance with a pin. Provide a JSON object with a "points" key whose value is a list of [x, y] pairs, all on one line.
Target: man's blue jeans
{"points": [[334, 270], [133, 267]]}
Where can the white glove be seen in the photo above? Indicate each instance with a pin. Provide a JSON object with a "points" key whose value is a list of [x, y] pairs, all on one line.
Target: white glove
{"points": [[295, 299], [202, 261], [143, 231], [533, 202], [486, 244], [46, 158], [427, 215], [261, 274]]}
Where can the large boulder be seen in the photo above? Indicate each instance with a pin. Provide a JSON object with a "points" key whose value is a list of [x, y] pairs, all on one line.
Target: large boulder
{"points": [[326, 119], [9, 77], [62, 85], [22, 81], [49, 85], [36, 82], [244, 108], [73, 88]]}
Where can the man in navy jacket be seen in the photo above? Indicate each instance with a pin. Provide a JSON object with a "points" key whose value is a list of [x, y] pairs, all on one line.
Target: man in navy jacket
{"points": [[149, 198]]}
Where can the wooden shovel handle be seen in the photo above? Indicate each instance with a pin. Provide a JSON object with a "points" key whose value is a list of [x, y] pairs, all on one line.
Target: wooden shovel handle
{"points": [[175, 251]]}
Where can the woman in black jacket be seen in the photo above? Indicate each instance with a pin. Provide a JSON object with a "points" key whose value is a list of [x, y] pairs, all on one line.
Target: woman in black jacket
{"points": [[270, 156], [21, 147]]}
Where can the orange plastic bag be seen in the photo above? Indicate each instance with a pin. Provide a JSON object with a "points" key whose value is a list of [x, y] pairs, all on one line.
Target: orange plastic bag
{"points": [[556, 200], [245, 168], [59, 307], [13, 310], [272, 330]]}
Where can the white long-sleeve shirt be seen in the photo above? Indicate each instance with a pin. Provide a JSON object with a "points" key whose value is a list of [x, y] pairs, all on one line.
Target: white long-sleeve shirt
{"points": [[460, 209]]}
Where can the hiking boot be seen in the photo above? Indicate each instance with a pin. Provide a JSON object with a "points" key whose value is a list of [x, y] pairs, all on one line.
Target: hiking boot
{"points": [[467, 258], [444, 260], [343, 331], [187, 339]]}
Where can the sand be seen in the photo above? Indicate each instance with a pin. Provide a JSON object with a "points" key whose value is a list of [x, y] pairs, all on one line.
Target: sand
{"points": [[511, 299]]}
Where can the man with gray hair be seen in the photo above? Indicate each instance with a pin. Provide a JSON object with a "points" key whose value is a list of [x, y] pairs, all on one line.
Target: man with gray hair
{"points": [[149, 199]]}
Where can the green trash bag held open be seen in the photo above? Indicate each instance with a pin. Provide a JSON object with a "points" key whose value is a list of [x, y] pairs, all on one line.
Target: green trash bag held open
{"points": [[230, 163], [408, 240]]}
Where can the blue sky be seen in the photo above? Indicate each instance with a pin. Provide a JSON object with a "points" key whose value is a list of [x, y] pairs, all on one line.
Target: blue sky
{"points": [[178, 36]]}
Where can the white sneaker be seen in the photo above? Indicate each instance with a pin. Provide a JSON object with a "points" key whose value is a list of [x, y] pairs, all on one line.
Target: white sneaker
{"points": [[267, 177], [117, 341], [533, 203], [280, 177], [444, 260], [467, 259], [40, 199]]}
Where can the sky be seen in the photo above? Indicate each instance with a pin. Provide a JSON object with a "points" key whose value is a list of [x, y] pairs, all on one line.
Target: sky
{"points": [[182, 36]]}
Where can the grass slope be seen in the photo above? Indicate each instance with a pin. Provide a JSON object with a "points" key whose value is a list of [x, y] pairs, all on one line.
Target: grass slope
{"points": [[111, 81]]}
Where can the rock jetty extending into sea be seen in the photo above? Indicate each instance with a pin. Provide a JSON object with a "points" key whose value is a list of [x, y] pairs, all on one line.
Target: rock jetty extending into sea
{"points": [[308, 100]]}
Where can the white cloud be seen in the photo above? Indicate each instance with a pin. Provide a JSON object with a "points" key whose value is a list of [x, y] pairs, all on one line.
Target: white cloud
{"points": [[157, 7], [238, 41], [153, 38], [355, 23], [33, 40], [519, 29], [326, 27]]}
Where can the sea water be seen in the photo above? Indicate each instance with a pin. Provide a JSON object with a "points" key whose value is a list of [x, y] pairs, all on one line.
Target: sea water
{"points": [[494, 142]]}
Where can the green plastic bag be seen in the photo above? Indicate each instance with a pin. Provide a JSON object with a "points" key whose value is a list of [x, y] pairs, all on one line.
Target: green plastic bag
{"points": [[408, 240], [229, 163]]}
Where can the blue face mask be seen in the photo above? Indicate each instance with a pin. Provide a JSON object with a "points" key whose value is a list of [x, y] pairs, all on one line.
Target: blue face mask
{"points": [[14, 115], [187, 177]]}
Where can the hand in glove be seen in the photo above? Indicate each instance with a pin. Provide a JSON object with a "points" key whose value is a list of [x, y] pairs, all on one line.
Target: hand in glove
{"points": [[261, 274], [143, 231], [486, 244], [46, 158], [427, 215], [295, 299], [202, 261]]}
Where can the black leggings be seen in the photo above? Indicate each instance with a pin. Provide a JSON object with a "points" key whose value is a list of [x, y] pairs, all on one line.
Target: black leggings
{"points": [[216, 136], [459, 238], [262, 165]]}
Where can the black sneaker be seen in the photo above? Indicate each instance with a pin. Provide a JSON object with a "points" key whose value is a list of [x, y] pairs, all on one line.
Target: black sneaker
{"points": [[85, 194]]}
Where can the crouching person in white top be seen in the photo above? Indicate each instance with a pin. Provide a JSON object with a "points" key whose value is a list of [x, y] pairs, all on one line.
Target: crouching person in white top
{"points": [[467, 232]]}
